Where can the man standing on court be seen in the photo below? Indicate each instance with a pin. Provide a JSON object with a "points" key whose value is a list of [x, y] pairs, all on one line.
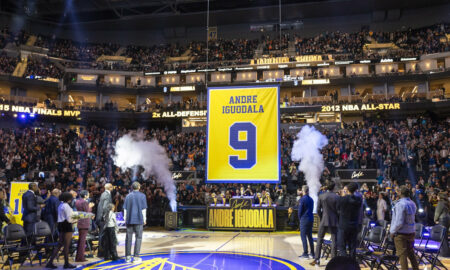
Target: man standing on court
{"points": [[135, 213], [105, 200], [50, 212], [327, 210], [403, 229], [30, 209], [348, 208], [306, 218]]}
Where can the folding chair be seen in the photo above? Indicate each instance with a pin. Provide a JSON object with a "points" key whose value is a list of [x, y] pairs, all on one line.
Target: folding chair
{"points": [[2, 243], [386, 257], [419, 228], [383, 223], [326, 248], [16, 246], [373, 242], [365, 222], [363, 233], [428, 252], [375, 238], [43, 241], [92, 240]]}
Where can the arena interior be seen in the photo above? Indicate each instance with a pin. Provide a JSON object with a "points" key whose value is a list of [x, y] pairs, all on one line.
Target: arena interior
{"points": [[238, 119]]}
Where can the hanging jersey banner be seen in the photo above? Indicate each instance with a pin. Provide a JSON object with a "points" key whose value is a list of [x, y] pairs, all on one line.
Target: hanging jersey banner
{"points": [[243, 135], [15, 201]]}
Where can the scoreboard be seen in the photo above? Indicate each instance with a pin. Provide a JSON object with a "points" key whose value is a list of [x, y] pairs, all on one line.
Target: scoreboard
{"points": [[243, 135]]}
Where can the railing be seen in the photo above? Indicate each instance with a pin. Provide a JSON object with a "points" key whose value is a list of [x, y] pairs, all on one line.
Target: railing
{"points": [[310, 100]]}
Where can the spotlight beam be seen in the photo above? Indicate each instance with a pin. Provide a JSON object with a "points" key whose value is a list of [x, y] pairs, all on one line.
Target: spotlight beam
{"points": [[113, 9]]}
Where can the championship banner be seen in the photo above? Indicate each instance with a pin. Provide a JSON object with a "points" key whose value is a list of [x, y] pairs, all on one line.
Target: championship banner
{"points": [[243, 135], [15, 201]]}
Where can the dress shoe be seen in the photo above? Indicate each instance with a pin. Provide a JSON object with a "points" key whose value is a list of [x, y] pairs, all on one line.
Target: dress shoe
{"points": [[51, 266]]}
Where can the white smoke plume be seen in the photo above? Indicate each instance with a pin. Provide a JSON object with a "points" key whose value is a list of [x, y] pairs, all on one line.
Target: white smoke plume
{"points": [[306, 149], [133, 151]]}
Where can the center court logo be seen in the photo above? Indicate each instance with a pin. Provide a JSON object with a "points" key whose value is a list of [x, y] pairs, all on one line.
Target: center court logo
{"points": [[198, 261]]}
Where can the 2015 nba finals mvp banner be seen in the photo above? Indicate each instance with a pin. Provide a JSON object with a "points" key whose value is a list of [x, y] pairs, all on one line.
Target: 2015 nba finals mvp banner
{"points": [[243, 135]]}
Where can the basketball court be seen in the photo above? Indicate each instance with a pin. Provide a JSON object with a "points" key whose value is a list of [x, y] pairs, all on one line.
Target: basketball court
{"points": [[202, 250]]}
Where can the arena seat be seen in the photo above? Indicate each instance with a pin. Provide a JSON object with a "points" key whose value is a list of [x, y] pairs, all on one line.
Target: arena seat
{"points": [[16, 246], [428, 252], [43, 242]]}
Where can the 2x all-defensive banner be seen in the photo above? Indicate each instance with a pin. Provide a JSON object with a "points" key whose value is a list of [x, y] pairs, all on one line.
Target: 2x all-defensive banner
{"points": [[243, 135]]}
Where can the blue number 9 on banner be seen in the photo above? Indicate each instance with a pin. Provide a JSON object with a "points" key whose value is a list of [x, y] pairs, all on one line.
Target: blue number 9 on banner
{"points": [[249, 144]]}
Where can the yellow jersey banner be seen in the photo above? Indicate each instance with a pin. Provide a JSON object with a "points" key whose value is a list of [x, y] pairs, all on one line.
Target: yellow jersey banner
{"points": [[15, 201], [243, 135]]}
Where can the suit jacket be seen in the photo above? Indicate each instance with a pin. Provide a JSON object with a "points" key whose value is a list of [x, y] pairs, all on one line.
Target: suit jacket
{"points": [[30, 207], [349, 212], [305, 209], [83, 206], [105, 199], [50, 212], [327, 209]]}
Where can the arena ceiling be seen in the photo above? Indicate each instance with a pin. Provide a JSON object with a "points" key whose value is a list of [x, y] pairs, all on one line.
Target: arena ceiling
{"points": [[192, 12]]}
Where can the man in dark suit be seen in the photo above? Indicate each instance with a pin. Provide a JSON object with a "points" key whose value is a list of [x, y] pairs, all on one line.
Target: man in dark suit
{"points": [[30, 209], [348, 208], [105, 200], [306, 218], [327, 211], [50, 211]]}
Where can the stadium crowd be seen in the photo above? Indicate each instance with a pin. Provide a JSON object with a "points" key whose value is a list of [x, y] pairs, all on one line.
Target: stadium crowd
{"points": [[223, 52], [276, 47], [409, 43], [68, 49], [42, 67], [413, 152], [7, 64]]}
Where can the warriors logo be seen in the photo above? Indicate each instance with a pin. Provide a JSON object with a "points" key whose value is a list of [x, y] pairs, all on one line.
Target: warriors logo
{"points": [[198, 261]]}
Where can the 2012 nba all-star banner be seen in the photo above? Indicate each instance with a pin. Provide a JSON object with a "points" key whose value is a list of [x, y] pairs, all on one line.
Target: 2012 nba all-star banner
{"points": [[243, 135]]}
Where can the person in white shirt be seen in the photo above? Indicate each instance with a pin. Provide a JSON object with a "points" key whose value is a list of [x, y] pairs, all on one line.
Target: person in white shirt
{"points": [[65, 227], [381, 207], [110, 234]]}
